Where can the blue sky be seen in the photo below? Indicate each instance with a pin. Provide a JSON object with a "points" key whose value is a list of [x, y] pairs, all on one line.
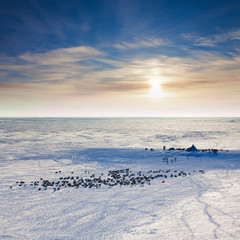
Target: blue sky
{"points": [[119, 58]]}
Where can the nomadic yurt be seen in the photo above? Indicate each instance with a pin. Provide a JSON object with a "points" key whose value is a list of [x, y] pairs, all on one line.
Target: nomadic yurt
{"points": [[191, 149]]}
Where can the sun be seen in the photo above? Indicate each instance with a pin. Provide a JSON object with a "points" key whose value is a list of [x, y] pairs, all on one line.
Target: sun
{"points": [[156, 90]]}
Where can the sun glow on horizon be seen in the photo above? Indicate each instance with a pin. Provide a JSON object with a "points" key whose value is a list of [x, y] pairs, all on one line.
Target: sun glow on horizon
{"points": [[156, 90]]}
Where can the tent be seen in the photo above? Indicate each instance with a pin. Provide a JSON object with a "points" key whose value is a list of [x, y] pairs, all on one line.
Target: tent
{"points": [[191, 149]]}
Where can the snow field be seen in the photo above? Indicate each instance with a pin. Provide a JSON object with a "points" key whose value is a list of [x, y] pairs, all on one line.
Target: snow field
{"points": [[197, 206]]}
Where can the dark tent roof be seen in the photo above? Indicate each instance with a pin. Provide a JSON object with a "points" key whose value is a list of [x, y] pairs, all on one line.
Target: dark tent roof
{"points": [[191, 149]]}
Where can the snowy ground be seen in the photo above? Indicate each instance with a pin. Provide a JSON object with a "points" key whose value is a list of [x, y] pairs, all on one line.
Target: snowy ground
{"points": [[195, 206]]}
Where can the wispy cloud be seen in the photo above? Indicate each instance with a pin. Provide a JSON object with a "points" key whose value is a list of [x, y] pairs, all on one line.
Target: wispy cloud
{"points": [[87, 74], [212, 40], [63, 55], [140, 43]]}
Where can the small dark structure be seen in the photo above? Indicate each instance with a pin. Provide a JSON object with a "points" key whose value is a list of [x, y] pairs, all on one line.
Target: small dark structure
{"points": [[191, 149]]}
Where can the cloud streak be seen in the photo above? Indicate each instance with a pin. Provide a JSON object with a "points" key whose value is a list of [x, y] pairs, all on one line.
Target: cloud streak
{"points": [[85, 74], [212, 40], [139, 43], [64, 55]]}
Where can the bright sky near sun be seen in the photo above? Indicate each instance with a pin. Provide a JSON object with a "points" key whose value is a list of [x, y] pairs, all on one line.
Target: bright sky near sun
{"points": [[119, 58]]}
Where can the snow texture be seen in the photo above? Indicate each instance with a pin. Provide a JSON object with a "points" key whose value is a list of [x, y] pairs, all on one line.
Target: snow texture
{"points": [[202, 203]]}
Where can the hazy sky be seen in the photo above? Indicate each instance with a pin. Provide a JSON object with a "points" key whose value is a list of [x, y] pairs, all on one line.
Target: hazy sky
{"points": [[107, 58]]}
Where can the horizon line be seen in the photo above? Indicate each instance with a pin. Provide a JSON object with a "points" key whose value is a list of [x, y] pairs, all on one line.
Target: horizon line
{"points": [[129, 117]]}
